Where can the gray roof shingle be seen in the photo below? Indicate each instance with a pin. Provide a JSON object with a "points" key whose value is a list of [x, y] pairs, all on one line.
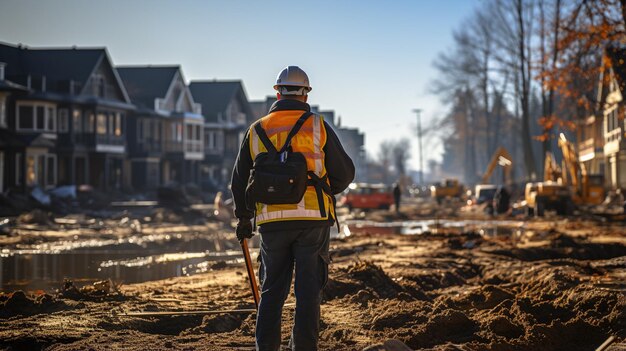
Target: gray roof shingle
{"points": [[146, 83], [214, 96]]}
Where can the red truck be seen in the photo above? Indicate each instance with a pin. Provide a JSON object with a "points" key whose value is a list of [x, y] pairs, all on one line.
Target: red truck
{"points": [[368, 196]]}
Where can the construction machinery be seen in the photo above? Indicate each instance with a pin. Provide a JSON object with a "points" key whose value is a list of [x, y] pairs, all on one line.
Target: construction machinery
{"points": [[448, 188], [500, 158], [565, 186], [548, 195], [587, 189], [486, 191]]}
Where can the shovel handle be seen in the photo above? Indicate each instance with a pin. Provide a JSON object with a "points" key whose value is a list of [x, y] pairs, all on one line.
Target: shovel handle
{"points": [[250, 269]]}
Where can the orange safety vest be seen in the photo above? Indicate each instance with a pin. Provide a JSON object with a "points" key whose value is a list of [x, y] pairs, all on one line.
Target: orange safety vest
{"points": [[309, 141]]}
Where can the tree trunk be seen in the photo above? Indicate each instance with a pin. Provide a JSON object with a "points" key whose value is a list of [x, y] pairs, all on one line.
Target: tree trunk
{"points": [[529, 159]]}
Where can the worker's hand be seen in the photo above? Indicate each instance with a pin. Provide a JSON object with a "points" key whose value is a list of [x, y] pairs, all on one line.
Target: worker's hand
{"points": [[244, 229]]}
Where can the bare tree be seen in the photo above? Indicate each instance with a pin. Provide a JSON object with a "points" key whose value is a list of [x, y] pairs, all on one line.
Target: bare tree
{"points": [[513, 23]]}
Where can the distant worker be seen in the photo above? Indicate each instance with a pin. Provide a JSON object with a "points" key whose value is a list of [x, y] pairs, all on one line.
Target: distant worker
{"points": [[294, 229], [397, 194]]}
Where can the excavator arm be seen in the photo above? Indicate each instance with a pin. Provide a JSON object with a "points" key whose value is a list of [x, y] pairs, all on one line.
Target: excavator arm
{"points": [[500, 157]]}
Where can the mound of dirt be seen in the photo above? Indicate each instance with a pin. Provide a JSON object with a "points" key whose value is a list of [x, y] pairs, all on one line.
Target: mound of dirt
{"points": [[363, 279], [98, 291], [19, 304]]}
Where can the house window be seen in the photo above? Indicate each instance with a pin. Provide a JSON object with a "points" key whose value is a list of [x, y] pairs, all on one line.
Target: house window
{"points": [[36, 116], [3, 112], [91, 121], [118, 124], [179, 132], [98, 85], [63, 120], [101, 127], [147, 129], [31, 170], [51, 121], [41, 170], [25, 117], [77, 120], [210, 140], [40, 118], [111, 123]]}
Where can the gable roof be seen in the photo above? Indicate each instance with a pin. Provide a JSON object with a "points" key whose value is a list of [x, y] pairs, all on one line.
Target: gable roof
{"points": [[56, 64], [144, 84], [617, 58], [215, 96]]}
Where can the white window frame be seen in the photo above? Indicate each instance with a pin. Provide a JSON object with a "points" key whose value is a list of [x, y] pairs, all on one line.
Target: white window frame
{"points": [[43, 173], [92, 123], [47, 109], [119, 121], [77, 116], [101, 123], [64, 123]]}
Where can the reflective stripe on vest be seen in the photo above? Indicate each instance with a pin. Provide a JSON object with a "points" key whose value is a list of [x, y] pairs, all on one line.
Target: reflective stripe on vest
{"points": [[309, 141]]}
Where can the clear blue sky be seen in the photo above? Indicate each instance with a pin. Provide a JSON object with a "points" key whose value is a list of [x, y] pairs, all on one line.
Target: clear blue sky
{"points": [[370, 61]]}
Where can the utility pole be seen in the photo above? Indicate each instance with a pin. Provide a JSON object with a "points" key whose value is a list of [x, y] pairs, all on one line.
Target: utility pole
{"points": [[419, 141]]}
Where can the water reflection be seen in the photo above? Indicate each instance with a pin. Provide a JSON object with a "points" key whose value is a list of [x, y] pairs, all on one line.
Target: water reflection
{"points": [[128, 260]]}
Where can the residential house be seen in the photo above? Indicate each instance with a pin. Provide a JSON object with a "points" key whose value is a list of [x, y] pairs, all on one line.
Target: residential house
{"points": [[227, 114], [591, 145], [613, 112], [9, 142], [72, 120], [261, 108], [165, 133]]}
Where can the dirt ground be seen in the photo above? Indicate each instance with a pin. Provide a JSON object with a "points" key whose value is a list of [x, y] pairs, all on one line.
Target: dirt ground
{"points": [[552, 286]]}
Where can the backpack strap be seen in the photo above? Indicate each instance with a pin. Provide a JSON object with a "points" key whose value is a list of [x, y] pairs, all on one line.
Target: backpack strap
{"points": [[264, 139]]}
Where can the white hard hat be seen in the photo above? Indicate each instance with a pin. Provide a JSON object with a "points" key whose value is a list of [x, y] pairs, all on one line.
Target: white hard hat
{"points": [[292, 76]]}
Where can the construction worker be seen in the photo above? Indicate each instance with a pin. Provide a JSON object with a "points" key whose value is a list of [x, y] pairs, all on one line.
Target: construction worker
{"points": [[292, 234], [397, 193]]}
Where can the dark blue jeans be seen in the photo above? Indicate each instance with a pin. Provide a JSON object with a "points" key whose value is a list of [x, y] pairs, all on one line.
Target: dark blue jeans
{"points": [[307, 249]]}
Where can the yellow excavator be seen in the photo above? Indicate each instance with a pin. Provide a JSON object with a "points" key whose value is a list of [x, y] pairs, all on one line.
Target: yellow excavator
{"points": [[448, 188], [551, 193], [486, 190], [500, 158], [587, 189], [566, 186]]}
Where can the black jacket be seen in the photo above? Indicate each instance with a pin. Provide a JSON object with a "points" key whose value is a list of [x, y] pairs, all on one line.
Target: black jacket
{"points": [[338, 164]]}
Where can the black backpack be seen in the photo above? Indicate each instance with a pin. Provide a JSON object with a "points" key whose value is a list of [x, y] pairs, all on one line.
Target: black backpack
{"points": [[278, 176]]}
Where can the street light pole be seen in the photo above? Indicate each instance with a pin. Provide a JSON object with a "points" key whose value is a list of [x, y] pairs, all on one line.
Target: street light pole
{"points": [[419, 140]]}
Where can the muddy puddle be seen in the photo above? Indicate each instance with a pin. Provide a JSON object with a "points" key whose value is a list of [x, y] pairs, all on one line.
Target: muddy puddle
{"points": [[486, 228], [127, 260]]}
